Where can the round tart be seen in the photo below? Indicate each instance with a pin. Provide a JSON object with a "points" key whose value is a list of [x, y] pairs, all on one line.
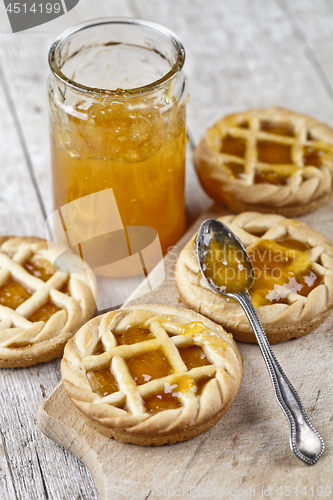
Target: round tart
{"points": [[293, 286], [40, 309], [151, 374], [268, 160]]}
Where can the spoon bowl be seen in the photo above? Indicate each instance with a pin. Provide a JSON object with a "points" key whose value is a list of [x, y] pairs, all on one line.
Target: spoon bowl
{"points": [[223, 260], [218, 250]]}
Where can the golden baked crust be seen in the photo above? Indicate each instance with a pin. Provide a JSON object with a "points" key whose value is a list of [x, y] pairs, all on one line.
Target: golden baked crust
{"points": [[124, 414], [268, 160], [24, 342], [281, 321]]}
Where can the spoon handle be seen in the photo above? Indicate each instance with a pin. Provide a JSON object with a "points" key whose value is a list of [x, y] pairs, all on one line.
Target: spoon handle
{"points": [[305, 441]]}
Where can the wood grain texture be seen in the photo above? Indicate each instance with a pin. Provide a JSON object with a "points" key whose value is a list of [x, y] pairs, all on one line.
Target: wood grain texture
{"points": [[31, 466], [27, 452], [24, 59], [244, 54], [26, 91], [248, 448], [19, 206], [318, 43], [239, 54]]}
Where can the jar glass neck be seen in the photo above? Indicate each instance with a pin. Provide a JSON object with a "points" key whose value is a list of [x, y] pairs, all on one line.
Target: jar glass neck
{"points": [[116, 58]]}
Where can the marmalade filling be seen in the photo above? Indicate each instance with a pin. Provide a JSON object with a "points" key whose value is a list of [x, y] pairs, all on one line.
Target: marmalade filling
{"points": [[234, 146], [102, 382], [43, 269], [137, 149], [153, 365], [40, 268], [169, 399], [276, 155], [284, 129], [149, 366], [279, 269], [273, 152], [44, 312], [132, 335], [226, 268], [12, 294], [193, 356], [236, 169], [160, 402], [277, 174]]}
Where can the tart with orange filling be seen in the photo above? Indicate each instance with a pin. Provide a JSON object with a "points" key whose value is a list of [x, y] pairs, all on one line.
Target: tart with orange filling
{"points": [[151, 374], [293, 278], [40, 308], [267, 160]]}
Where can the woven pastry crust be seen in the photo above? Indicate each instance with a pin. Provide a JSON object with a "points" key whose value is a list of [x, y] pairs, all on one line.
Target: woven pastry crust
{"points": [[280, 321], [306, 190], [22, 342], [134, 424]]}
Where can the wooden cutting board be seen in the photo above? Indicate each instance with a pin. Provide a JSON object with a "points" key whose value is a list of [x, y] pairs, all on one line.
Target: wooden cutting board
{"points": [[247, 453]]}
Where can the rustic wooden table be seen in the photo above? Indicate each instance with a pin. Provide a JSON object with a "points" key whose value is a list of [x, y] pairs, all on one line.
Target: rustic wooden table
{"points": [[240, 54]]}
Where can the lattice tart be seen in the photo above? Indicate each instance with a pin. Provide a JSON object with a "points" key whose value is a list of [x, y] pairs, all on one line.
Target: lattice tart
{"points": [[40, 309], [151, 374], [293, 287], [268, 160]]}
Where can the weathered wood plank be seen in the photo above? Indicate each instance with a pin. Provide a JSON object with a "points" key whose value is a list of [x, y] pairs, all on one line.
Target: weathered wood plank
{"points": [[239, 54], [317, 37], [36, 467], [20, 211], [21, 214], [196, 200], [6, 479], [24, 61], [31, 466], [244, 54], [23, 51], [248, 449]]}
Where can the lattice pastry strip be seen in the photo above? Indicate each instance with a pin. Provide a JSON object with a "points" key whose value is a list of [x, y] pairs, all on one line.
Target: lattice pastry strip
{"points": [[40, 308], [147, 386], [271, 160], [291, 301]]}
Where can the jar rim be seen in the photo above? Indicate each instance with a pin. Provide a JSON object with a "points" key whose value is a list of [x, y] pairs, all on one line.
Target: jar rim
{"points": [[119, 93]]}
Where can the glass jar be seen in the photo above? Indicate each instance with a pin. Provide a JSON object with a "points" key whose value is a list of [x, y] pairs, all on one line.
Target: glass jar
{"points": [[117, 97]]}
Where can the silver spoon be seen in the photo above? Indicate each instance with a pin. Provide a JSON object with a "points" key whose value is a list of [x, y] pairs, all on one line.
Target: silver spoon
{"points": [[305, 441]]}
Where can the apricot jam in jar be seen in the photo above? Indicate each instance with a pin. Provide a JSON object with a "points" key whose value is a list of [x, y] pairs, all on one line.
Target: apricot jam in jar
{"points": [[117, 96]]}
